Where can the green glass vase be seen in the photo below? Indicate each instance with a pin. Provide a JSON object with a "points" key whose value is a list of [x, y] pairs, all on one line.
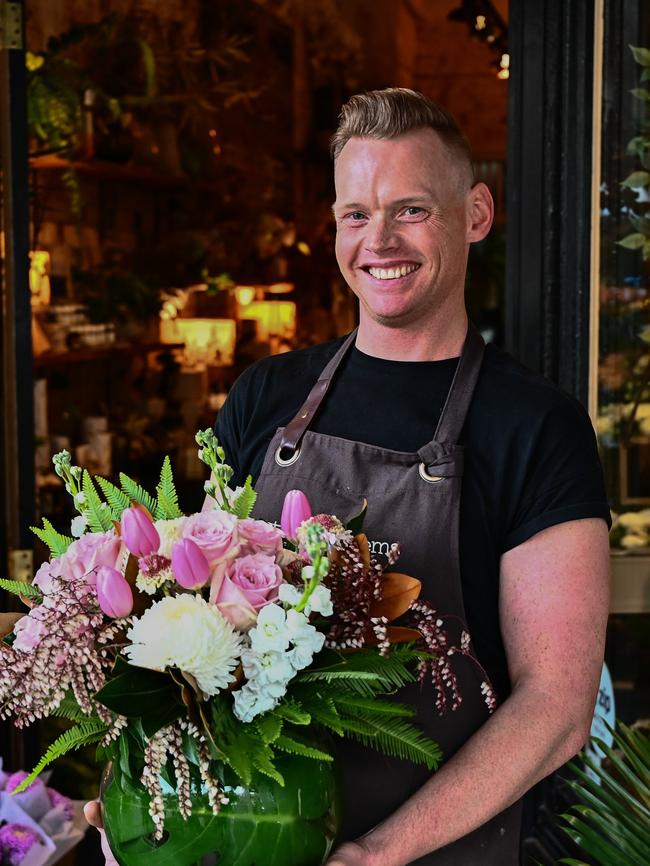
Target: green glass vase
{"points": [[264, 824]]}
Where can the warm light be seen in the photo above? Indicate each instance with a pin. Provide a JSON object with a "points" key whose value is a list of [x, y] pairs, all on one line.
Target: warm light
{"points": [[39, 278], [217, 149], [280, 288], [212, 133], [274, 318], [171, 309], [207, 341], [303, 248], [244, 295], [480, 22], [504, 71]]}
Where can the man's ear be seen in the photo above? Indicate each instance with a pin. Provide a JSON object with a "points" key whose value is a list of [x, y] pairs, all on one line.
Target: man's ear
{"points": [[480, 212]]}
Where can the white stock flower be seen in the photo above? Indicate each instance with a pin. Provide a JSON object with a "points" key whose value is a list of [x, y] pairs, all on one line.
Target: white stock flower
{"points": [[268, 669], [270, 632], [249, 702], [305, 638], [78, 525], [290, 594], [320, 601], [170, 531], [185, 631]]}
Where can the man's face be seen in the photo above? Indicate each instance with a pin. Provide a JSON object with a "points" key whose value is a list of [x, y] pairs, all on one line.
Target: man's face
{"points": [[404, 220]]}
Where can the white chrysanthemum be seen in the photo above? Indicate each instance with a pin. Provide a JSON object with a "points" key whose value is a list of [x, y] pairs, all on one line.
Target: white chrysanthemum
{"points": [[186, 632], [170, 531]]}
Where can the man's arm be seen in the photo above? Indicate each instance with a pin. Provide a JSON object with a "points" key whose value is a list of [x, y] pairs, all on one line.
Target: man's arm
{"points": [[554, 602]]}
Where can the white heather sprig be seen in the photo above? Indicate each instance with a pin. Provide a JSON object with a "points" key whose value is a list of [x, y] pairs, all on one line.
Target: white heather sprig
{"points": [[69, 656]]}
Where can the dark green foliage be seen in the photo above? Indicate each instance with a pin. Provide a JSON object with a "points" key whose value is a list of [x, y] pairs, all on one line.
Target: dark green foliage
{"points": [[57, 543]]}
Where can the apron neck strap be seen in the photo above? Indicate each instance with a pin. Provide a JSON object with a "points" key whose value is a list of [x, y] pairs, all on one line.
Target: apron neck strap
{"points": [[295, 429], [454, 411]]}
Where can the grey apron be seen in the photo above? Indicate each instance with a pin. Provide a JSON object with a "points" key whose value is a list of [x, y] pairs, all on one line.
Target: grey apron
{"points": [[413, 499]]}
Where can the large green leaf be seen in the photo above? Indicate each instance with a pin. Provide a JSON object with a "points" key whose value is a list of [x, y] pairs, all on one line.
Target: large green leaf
{"points": [[138, 692], [267, 825]]}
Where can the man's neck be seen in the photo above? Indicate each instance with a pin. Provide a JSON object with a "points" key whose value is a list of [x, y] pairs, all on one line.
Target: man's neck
{"points": [[435, 342]]}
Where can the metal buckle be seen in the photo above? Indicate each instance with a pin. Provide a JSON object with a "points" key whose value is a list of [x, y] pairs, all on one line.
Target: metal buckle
{"points": [[282, 462], [424, 475]]}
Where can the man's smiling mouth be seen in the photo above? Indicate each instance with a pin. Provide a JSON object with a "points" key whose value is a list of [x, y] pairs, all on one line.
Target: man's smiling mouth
{"points": [[393, 273]]}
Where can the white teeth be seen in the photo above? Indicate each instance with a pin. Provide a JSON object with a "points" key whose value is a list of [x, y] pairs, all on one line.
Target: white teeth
{"points": [[392, 273]]}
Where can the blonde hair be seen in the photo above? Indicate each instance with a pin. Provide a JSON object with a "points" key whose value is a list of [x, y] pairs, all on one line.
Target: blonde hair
{"points": [[389, 113]]}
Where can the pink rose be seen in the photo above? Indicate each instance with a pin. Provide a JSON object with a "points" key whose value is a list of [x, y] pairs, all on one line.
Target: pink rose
{"points": [[87, 554], [258, 536], [215, 533], [248, 584], [29, 631]]}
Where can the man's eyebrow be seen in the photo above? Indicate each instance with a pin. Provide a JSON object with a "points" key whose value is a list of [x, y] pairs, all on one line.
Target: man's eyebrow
{"points": [[418, 198]]}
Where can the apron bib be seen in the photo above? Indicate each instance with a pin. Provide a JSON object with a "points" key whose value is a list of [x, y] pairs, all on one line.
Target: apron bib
{"points": [[413, 499]]}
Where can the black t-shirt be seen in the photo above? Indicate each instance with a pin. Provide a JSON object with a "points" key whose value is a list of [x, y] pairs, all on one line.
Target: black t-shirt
{"points": [[531, 459]]}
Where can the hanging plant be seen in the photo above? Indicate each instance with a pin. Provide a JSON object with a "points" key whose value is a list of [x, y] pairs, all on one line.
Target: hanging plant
{"points": [[639, 179]]}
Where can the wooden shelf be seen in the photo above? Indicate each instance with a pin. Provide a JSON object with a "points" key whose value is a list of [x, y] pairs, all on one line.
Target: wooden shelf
{"points": [[98, 169], [77, 356]]}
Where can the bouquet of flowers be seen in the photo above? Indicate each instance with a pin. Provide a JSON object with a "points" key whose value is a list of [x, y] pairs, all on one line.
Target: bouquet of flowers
{"points": [[211, 657], [37, 826]]}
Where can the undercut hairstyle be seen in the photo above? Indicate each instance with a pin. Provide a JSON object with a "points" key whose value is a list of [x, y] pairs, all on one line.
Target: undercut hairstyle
{"points": [[389, 113]]}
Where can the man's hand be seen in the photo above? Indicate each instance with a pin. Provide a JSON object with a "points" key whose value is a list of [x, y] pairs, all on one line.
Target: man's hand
{"points": [[352, 854], [93, 814]]}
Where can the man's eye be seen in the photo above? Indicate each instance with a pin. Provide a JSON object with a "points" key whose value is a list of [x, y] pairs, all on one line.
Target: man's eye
{"points": [[414, 212], [356, 216]]}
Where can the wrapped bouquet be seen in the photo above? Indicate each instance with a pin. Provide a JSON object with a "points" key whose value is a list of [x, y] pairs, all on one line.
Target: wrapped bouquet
{"points": [[212, 658]]}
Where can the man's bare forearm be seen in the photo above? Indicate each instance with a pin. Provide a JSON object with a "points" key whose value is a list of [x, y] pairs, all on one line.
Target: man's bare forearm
{"points": [[528, 737]]}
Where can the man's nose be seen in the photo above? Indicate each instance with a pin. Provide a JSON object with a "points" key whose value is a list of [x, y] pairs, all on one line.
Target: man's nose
{"points": [[380, 236]]}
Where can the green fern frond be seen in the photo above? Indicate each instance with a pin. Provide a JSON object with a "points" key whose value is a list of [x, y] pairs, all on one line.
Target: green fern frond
{"points": [[167, 505], [262, 759], [396, 738], [117, 500], [97, 512], [70, 709], [137, 493], [243, 505], [392, 671], [292, 711], [81, 735], [17, 587], [57, 543], [269, 726], [349, 703], [294, 747], [361, 682]]}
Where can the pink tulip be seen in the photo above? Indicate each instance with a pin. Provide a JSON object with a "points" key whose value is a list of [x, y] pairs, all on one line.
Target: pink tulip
{"points": [[113, 592], [189, 564], [296, 510], [138, 532]]}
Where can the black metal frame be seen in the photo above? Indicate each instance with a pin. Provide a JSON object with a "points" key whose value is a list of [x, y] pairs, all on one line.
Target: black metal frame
{"points": [[16, 377], [549, 189]]}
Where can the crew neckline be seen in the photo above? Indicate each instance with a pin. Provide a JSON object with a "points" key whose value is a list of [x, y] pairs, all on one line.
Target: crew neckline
{"points": [[387, 363]]}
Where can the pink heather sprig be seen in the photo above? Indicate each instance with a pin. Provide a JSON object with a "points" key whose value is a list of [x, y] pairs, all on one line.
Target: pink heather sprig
{"points": [[355, 586], [439, 669], [70, 655]]}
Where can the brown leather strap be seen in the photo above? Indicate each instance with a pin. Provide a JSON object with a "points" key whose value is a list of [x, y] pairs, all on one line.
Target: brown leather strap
{"points": [[454, 412], [295, 429]]}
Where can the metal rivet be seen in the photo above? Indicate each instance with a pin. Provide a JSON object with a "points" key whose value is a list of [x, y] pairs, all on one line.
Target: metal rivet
{"points": [[281, 460]]}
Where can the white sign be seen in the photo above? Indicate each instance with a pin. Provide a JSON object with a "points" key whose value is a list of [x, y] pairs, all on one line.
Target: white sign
{"points": [[604, 714]]}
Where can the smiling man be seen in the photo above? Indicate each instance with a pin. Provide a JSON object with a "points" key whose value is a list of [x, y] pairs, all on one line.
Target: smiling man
{"points": [[486, 474]]}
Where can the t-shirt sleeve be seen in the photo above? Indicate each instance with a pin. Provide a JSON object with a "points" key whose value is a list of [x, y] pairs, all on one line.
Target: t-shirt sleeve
{"points": [[560, 477]]}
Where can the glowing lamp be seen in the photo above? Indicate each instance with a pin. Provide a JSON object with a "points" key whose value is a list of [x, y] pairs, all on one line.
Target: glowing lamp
{"points": [[280, 288], [207, 341], [245, 294], [39, 278], [274, 318]]}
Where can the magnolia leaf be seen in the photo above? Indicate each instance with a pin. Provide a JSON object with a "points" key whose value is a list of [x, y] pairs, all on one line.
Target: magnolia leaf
{"points": [[646, 251], [636, 180], [364, 548], [640, 93], [398, 591], [8, 621], [641, 55], [394, 634], [632, 242], [355, 523], [645, 75], [637, 144]]}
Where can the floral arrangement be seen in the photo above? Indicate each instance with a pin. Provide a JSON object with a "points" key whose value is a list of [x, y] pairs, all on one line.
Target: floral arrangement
{"points": [[631, 531], [36, 825], [194, 650]]}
